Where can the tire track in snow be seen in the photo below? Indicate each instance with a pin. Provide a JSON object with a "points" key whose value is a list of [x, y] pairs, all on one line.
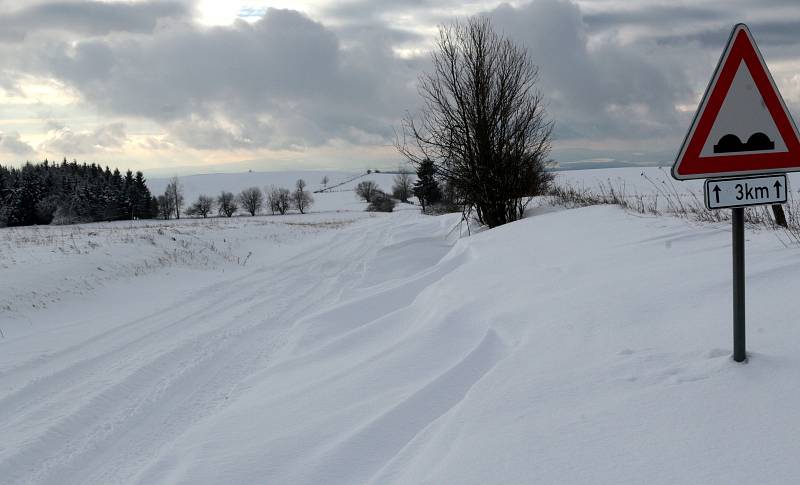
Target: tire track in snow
{"points": [[343, 354], [110, 431]]}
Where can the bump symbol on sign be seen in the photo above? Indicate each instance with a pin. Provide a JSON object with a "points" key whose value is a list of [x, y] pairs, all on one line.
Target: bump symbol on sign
{"points": [[731, 143]]}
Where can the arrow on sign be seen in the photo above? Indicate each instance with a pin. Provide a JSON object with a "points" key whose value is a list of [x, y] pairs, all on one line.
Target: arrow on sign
{"points": [[777, 188], [716, 192]]}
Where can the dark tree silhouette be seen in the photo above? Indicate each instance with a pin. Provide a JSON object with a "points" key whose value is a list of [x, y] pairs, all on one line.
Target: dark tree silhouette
{"points": [[69, 193], [201, 207], [483, 123], [426, 188], [251, 200], [366, 190], [279, 200], [301, 198], [226, 204]]}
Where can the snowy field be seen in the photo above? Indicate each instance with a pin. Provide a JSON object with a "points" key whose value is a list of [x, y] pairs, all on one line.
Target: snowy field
{"points": [[341, 347]]}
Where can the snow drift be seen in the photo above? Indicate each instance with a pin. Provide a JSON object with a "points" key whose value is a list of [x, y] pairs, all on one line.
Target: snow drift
{"points": [[576, 346]]}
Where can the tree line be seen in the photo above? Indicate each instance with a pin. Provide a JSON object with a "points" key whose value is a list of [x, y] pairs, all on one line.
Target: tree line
{"points": [[72, 193], [427, 189], [69, 192], [252, 200]]}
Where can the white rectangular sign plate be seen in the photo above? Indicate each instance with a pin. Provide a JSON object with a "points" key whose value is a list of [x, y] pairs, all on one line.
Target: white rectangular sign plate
{"points": [[745, 191]]}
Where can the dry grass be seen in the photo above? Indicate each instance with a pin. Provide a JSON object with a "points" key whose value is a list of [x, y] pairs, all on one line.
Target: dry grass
{"points": [[666, 199]]}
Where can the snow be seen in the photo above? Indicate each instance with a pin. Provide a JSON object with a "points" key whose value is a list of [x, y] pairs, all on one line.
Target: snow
{"points": [[587, 345]]}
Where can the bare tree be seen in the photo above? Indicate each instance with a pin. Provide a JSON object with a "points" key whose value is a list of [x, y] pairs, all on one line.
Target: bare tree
{"points": [[301, 198], [251, 200], [324, 182], [226, 204], [366, 190], [166, 207], [483, 122], [401, 189], [201, 207], [175, 192], [279, 199]]}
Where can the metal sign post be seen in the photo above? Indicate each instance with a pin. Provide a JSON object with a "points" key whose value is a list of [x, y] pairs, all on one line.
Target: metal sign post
{"points": [[739, 347]]}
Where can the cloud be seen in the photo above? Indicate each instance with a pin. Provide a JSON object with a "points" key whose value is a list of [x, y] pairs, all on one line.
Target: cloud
{"points": [[651, 15], [612, 72], [65, 142], [282, 81], [89, 18], [601, 89], [12, 144]]}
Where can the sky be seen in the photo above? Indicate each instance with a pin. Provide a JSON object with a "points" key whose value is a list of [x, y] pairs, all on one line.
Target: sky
{"points": [[180, 86]]}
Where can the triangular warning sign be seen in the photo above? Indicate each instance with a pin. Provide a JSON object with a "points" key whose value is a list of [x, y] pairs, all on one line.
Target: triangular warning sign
{"points": [[742, 125]]}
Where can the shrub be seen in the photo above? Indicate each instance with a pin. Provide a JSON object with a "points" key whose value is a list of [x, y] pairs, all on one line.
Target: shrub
{"points": [[381, 203]]}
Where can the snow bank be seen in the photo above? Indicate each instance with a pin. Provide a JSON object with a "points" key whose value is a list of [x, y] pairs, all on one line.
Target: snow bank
{"points": [[644, 180], [579, 346]]}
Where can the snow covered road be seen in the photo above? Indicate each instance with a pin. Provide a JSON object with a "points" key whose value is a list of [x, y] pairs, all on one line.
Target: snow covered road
{"points": [[577, 346], [100, 408]]}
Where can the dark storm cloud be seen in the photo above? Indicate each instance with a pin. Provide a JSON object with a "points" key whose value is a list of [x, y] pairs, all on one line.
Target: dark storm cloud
{"points": [[704, 24], [780, 33], [12, 144], [652, 15], [609, 89], [89, 18]]}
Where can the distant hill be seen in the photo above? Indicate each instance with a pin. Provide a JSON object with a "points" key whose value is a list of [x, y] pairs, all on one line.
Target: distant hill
{"points": [[340, 197]]}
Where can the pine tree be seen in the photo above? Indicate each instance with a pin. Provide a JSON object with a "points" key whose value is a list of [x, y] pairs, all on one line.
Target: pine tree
{"points": [[67, 193], [426, 188]]}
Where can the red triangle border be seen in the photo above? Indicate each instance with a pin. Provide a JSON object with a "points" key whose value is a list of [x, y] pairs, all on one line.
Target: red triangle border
{"points": [[690, 165]]}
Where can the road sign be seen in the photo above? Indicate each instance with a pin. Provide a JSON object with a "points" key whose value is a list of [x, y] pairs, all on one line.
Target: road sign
{"points": [[742, 126], [745, 191]]}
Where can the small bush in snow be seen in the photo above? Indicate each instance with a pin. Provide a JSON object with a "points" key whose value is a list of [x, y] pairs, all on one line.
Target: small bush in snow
{"points": [[442, 207], [381, 203]]}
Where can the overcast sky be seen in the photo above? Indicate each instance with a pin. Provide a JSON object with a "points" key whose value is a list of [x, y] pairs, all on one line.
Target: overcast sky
{"points": [[231, 85]]}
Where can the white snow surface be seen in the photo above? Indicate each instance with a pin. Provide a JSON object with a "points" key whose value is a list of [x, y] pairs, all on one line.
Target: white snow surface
{"points": [[576, 346]]}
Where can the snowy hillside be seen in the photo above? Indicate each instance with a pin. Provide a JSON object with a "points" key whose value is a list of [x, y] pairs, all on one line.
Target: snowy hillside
{"points": [[339, 195], [576, 346]]}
